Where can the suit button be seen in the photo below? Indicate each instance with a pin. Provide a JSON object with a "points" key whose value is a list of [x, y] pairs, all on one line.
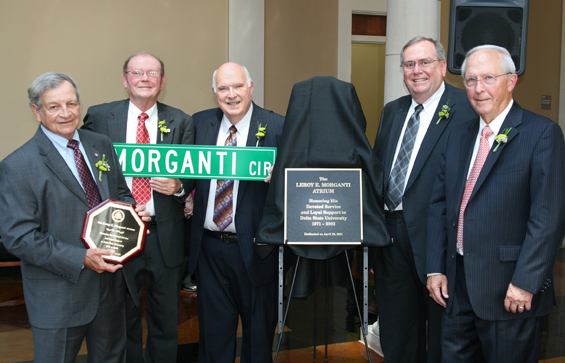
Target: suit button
{"points": [[453, 257]]}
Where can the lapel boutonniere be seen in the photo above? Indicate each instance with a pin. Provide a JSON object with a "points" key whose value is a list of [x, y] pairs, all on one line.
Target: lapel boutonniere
{"points": [[501, 138], [102, 165], [163, 128], [262, 130], [444, 113]]}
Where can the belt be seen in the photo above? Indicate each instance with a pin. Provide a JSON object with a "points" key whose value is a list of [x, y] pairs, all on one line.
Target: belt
{"points": [[226, 237], [152, 222]]}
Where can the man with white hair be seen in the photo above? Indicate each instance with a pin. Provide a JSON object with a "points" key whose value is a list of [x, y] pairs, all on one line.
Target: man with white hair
{"points": [[496, 220]]}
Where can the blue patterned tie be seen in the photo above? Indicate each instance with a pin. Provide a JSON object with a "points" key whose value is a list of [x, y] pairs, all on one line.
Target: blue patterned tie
{"points": [[397, 178], [223, 204]]}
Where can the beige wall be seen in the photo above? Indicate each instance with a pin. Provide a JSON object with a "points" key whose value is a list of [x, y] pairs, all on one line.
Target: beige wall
{"points": [[368, 77], [300, 43], [90, 40], [543, 58]]}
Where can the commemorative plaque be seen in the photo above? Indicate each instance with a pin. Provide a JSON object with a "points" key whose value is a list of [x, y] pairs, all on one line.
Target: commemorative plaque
{"points": [[323, 206], [114, 225]]}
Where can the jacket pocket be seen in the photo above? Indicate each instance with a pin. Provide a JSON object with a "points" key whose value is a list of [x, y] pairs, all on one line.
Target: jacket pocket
{"points": [[509, 253]]}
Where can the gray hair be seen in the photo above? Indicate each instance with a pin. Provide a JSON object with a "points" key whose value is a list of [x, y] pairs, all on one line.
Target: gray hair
{"points": [[440, 50], [126, 63], [247, 78], [46, 82], [506, 62]]}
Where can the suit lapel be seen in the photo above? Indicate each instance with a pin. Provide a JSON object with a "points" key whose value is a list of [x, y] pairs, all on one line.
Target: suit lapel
{"points": [[170, 123], [432, 135], [467, 143], [251, 141], [393, 140], [54, 161], [513, 120], [94, 155]]}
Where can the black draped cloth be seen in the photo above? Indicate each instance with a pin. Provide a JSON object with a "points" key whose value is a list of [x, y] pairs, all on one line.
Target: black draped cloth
{"points": [[325, 128]]}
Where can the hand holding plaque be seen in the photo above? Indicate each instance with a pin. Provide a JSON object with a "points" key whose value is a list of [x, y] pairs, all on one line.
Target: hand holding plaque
{"points": [[114, 225]]}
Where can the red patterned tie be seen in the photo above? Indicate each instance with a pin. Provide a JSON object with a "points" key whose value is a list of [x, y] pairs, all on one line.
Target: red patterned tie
{"points": [[473, 176], [223, 204], [141, 189], [88, 183]]}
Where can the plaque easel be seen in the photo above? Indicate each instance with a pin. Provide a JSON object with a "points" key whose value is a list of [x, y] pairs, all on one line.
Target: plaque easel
{"points": [[319, 223]]}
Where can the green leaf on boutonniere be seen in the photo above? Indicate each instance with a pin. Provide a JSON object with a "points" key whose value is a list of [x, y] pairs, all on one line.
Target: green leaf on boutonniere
{"points": [[501, 138], [163, 128], [103, 166], [262, 130], [444, 113]]}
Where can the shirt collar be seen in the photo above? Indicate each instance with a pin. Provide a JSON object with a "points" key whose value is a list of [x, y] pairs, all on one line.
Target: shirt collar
{"points": [[136, 111]]}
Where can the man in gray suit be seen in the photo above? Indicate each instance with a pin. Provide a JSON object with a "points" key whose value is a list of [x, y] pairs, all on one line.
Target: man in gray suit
{"points": [[409, 144], [161, 263], [70, 292]]}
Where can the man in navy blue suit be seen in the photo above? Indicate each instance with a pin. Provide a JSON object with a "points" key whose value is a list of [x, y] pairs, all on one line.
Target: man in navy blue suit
{"points": [[496, 221], [232, 279], [410, 321]]}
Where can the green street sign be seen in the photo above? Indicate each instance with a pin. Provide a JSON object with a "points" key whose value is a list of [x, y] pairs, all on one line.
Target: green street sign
{"points": [[195, 161]]}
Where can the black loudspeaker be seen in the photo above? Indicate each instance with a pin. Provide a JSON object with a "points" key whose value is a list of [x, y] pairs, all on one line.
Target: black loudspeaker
{"points": [[478, 22]]}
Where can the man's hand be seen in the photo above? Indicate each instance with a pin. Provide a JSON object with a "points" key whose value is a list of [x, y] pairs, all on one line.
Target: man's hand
{"points": [[167, 186], [437, 286], [268, 178], [517, 299], [143, 214], [94, 261]]}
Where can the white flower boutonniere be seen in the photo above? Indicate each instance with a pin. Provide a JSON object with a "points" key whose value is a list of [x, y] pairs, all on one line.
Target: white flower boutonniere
{"points": [[501, 138], [262, 130], [163, 128], [103, 166], [444, 113]]}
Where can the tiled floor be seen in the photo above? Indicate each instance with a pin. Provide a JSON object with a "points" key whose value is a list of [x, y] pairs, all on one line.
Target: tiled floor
{"points": [[298, 340]]}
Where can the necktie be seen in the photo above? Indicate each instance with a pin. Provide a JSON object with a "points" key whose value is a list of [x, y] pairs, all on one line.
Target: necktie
{"points": [[223, 204], [472, 180], [397, 178], [88, 183], [140, 187]]}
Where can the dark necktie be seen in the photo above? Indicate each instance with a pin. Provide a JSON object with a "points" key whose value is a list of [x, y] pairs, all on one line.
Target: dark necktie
{"points": [[472, 180], [88, 183], [223, 204], [397, 178], [141, 189]]}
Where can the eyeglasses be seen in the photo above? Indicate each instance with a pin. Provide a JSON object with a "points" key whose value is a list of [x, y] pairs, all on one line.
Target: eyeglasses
{"points": [[137, 73], [487, 80], [422, 63]]}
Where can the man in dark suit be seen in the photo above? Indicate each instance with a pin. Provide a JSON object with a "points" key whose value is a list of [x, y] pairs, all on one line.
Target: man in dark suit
{"points": [[409, 148], [496, 220], [161, 262], [232, 279], [70, 292]]}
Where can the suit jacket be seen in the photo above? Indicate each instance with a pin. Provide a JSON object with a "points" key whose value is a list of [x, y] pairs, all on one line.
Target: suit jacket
{"points": [[43, 208], [250, 197], [110, 119], [421, 179], [515, 217]]}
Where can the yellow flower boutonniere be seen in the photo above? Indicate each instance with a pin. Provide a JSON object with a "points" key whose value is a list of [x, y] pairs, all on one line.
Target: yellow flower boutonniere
{"points": [[102, 165], [444, 113], [262, 130], [163, 128], [501, 138]]}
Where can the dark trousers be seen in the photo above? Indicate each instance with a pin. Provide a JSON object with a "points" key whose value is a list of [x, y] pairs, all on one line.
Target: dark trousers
{"points": [[105, 335], [468, 338], [404, 303], [162, 294], [226, 293]]}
